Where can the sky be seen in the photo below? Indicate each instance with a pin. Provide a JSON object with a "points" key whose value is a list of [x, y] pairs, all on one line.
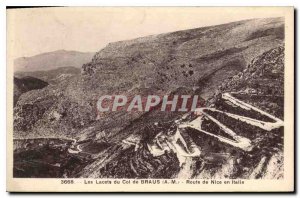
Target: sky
{"points": [[33, 31]]}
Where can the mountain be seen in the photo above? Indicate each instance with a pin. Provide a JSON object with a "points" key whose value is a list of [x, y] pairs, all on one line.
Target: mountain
{"points": [[26, 81], [188, 62], [52, 76], [194, 61], [52, 60], [264, 77]]}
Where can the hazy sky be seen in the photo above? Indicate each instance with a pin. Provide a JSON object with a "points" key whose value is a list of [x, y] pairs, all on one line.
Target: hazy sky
{"points": [[34, 31]]}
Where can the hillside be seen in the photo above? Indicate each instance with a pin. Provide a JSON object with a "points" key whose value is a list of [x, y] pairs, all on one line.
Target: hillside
{"points": [[182, 58], [194, 62], [53, 76], [222, 149], [52, 60]]}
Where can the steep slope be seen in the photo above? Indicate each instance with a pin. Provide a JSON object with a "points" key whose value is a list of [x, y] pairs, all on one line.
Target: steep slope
{"points": [[217, 159], [52, 60], [182, 58], [53, 76], [260, 85], [263, 81], [193, 61]]}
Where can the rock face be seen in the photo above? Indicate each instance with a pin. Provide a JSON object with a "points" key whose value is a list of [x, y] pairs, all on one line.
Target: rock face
{"points": [[52, 60], [217, 160], [183, 58], [195, 61]]}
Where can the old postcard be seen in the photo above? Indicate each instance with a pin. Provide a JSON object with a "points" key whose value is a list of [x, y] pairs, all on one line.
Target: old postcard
{"points": [[150, 99]]}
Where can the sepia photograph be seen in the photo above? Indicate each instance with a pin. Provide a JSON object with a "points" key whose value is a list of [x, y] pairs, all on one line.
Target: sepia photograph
{"points": [[150, 99]]}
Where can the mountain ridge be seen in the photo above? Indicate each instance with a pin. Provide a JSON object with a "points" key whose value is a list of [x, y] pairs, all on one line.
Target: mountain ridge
{"points": [[52, 60], [170, 62], [203, 62]]}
